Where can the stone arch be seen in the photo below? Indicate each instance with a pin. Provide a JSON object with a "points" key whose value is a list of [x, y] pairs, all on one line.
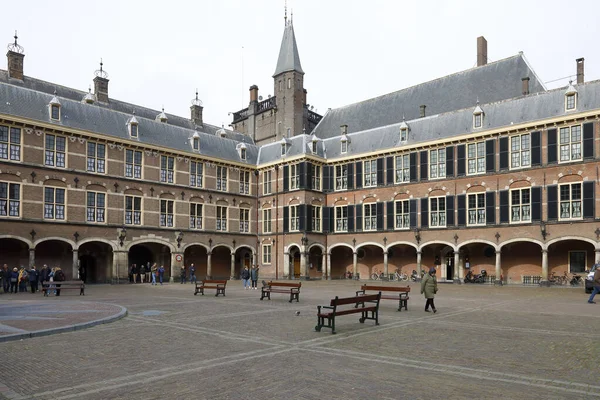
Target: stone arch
{"points": [[319, 245], [371, 244], [106, 241], [74, 245], [55, 182], [222, 245], [26, 241], [401, 242], [583, 239], [339, 245], [438, 242], [195, 244], [287, 248], [496, 247], [501, 245], [246, 246], [151, 240]]}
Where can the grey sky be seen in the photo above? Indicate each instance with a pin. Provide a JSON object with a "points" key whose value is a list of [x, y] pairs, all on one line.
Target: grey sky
{"points": [[157, 53]]}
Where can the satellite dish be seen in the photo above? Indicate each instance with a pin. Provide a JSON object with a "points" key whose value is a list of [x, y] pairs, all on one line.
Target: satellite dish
{"points": [[259, 98]]}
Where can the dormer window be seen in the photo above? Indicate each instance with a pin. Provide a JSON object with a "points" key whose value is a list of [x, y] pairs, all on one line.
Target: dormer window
{"points": [[478, 117], [55, 108], [570, 102], [314, 147], [196, 143], [283, 149], [344, 144], [89, 97], [570, 98], [162, 117], [403, 134], [132, 126], [243, 154]]}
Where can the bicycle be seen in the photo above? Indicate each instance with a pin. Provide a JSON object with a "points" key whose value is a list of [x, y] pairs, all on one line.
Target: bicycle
{"points": [[379, 275], [400, 276]]}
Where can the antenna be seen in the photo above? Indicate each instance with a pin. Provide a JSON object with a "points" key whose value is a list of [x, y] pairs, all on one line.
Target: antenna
{"points": [[242, 76]]}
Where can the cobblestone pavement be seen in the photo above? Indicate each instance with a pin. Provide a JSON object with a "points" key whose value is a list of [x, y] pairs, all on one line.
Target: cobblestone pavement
{"points": [[485, 343]]}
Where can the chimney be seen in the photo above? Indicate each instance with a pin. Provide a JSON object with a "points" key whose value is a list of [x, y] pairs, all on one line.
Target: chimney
{"points": [[196, 110], [525, 85], [481, 51], [344, 129], [422, 110], [101, 89], [253, 93], [15, 59], [580, 70]]}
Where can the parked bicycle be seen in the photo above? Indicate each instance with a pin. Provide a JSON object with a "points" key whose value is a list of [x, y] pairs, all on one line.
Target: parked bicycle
{"points": [[399, 276], [379, 275]]}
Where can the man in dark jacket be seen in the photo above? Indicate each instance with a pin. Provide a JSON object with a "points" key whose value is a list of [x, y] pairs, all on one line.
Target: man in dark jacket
{"points": [[59, 276], [34, 277], [14, 280], [6, 280], [596, 285]]}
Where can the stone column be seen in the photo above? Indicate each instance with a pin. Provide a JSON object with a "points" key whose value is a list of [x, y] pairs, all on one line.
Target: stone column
{"points": [[324, 271], [232, 268], [461, 267], [303, 264], [498, 280], [120, 268], [286, 265], [355, 264], [419, 269], [329, 266], [385, 264], [75, 263], [32, 258], [544, 265], [457, 267], [597, 258], [209, 265], [175, 266]]}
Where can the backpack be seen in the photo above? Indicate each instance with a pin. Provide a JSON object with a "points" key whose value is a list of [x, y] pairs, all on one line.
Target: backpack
{"points": [[59, 276]]}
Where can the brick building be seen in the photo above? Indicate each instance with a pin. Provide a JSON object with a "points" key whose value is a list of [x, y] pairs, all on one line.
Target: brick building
{"points": [[482, 169]]}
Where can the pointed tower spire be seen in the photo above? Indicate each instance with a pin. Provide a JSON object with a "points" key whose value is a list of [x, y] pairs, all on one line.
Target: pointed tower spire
{"points": [[284, 14], [289, 59]]}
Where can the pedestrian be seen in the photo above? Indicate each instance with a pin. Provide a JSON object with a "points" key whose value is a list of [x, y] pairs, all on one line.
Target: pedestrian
{"points": [[246, 278], [429, 289], [254, 276], [182, 271], [3, 277], [51, 284], [23, 280], [148, 274], [14, 280], [153, 272], [131, 273], [596, 285], [44, 275], [192, 273], [161, 274], [34, 278], [6, 281], [59, 276], [142, 273]]}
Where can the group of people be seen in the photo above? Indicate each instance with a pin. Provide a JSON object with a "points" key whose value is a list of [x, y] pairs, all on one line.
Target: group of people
{"points": [[146, 273], [250, 277], [183, 274], [17, 280]]}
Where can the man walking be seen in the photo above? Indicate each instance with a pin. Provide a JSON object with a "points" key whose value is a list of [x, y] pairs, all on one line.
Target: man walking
{"points": [[183, 274], [596, 285], [192, 274], [34, 278]]}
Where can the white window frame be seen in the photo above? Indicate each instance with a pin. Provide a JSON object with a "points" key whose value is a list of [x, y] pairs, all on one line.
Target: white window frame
{"points": [[54, 209], [437, 164], [574, 202], [167, 213], [221, 178], [134, 169], [96, 158], [316, 219], [196, 144], [437, 217], [341, 220], [294, 218], [289, 85], [134, 130], [196, 179], [402, 214], [196, 216], [95, 212], [245, 182], [136, 215], [568, 102], [294, 176], [57, 108], [221, 219], [9, 202], [10, 143], [267, 182], [283, 147], [344, 146], [314, 147], [370, 220], [316, 177], [167, 169], [477, 120], [477, 157], [244, 220], [341, 177], [372, 176], [266, 218], [402, 168], [520, 151], [53, 156], [266, 251], [520, 205], [403, 134], [569, 147], [476, 214]]}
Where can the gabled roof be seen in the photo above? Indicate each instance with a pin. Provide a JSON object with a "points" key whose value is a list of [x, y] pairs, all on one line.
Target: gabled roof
{"points": [[492, 82], [289, 59]]}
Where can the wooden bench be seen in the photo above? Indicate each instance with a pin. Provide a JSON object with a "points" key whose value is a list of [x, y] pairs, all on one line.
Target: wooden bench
{"points": [[402, 292], [211, 284], [48, 287], [324, 313], [281, 287]]}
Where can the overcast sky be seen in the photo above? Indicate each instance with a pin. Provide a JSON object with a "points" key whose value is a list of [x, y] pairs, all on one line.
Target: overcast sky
{"points": [[158, 52]]}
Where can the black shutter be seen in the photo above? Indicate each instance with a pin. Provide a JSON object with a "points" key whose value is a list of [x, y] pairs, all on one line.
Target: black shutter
{"points": [[380, 171], [588, 199], [359, 217], [424, 165], [326, 219], [302, 217], [413, 167], [351, 218], [326, 176], [309, 213], [449, 210], [309, 176], [490, 156], [536, 148], [412, 204], [536, 204], [390, 215], [286, 219], [358, 174], [552, 202], [461, 200], [390, 171], [449, 161], [490, 208], [504, 207], [460, 160], [425, 212], [380, 216], [504, 153], [350, 176], [286, 178], [588, 142], [302, 173], [552, 154], [331, 178]]}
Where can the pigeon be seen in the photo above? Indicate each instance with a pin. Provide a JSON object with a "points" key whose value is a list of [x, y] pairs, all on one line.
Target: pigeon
{"points": [[297, 313]]}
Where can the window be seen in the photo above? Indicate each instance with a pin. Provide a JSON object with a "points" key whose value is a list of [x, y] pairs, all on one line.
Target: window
{"points": [[196, 143], [570, 201], [476, 158], [344, 146], [476, 208], [10, 199], [133, 210], [195, 216], [341, 219], [96, 157], [437, 215], [316, 218], [222, 178], [243, 154], [96, 207], [283, 149], [133, 164], [520, 151], [520, 205], [370, 173], [167, 166], [280, 85], [10, 144], [570, 143], [133, 130], [402, 168], [267, 182], [55, 151], [294, 218], [54, 203], [402, 214], [570, 102], [166, 213], [341, 177], [244, 182], [266, 253], [266, 220], [370, 217], [294, 176], [477, 120], [55, 112], [316, 177], [437, 163], [314, 147], [244, 220], [403, 134], [289, 132], [196, 174], [221, 218], [289, 83], [577, 262]]}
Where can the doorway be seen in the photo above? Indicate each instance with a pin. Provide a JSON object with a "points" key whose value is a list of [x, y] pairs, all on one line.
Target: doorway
{"points": [[297, 265], [449, 266]]}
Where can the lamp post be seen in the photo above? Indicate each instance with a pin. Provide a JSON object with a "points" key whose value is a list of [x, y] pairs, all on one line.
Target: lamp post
{"points": [[179, 238]]}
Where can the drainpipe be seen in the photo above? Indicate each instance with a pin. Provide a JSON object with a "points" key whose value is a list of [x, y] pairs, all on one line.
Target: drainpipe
{"points": [[257, 225], [276, 222]]}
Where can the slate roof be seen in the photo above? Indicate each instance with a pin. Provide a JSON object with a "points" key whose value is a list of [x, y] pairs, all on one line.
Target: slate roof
{"points": [[495, 81], [289, 59]]}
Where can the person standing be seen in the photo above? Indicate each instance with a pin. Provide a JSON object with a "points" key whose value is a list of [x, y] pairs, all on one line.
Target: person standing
{"points": [[131, 273], [142, 273], [596, 285], [161, 274], [51, 282], [44, 275], [182, 274], [429, 289], [14, 280], [6, 281], [254, 276], [34, 278], [246, 278], [153, 272], [59, 276], [23, 280], [192, 274]]}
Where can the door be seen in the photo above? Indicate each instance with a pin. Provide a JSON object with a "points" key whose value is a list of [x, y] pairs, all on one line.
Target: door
{"points": [[247, 260], [296, 265], [449, 267]]}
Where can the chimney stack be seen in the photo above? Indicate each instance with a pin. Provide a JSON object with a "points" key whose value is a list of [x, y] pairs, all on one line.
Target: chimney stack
{"points": [[481, 51], [580, 77], [525, 85], [253, 93], [15, 58], [101, 84], [196, 110], [422, 110], [344, 129]]}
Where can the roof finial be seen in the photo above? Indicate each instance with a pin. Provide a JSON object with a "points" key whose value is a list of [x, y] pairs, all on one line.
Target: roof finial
{"points": [[292, 17], [196, 94], [101, 73], [101, 64], [477, 100], [285, 14], [15, 47]]}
